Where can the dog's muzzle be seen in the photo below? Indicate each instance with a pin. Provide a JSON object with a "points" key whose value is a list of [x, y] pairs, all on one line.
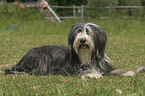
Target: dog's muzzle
{"points": [[83, 44]]}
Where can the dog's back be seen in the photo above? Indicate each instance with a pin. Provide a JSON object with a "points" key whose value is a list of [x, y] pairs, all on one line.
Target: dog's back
{"points": [[42, 60]]}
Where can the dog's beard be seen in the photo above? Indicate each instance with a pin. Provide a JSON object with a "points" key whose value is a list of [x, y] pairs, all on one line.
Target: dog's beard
{"points": [[84, 50], [85, 55]]}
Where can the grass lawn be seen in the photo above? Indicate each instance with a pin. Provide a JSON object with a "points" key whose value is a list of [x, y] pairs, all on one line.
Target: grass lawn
{"points": [[125, 48]]}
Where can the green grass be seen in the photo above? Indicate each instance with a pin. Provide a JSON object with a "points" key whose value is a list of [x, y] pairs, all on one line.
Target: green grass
{"points": [[125, 48]]}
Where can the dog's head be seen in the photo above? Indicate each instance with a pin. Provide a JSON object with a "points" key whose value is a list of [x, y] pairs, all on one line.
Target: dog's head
{"points": [[87, 40]]}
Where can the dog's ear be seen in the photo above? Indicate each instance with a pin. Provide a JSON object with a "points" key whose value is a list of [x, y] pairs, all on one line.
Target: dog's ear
{"points": [[71, 38], [100, 39], [72, 33]]}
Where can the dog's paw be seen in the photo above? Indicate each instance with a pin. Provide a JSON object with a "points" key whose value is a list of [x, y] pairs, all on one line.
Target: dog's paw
{"points": [[92, 75], [129, 73]]}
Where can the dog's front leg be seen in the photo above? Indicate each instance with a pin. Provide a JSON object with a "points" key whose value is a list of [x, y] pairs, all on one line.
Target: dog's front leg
{"points": [[92, 75], [89, 74]]}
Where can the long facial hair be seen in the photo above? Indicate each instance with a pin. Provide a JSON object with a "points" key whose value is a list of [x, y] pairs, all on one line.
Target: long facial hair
{"points": [[83, 44], [87, 42]]}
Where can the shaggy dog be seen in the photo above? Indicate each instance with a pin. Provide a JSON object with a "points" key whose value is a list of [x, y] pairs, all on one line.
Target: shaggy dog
{"points": [[84, 56]]}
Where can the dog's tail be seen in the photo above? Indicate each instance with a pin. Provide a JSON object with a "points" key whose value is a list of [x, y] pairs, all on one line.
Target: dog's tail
{"points": [[8, 71], [122, 72], [126, 73], [141, 69]]}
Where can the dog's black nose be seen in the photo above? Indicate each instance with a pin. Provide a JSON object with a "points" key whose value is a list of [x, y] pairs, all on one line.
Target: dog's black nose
{"points": [[83, 40]]}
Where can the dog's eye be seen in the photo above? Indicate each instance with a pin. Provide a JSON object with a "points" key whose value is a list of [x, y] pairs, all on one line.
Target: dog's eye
{"points": [[79, 30], [87, 31]]}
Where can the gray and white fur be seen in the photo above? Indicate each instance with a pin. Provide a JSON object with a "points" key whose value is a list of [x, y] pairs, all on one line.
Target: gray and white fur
{"points": [[84, 56]]}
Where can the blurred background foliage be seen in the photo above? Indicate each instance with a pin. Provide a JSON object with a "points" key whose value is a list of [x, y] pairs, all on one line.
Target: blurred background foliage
{"points": [[100, 12], [96, 8]]}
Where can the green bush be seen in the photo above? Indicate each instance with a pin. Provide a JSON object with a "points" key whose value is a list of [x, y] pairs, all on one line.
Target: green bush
{"points": [[10, 11]]}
